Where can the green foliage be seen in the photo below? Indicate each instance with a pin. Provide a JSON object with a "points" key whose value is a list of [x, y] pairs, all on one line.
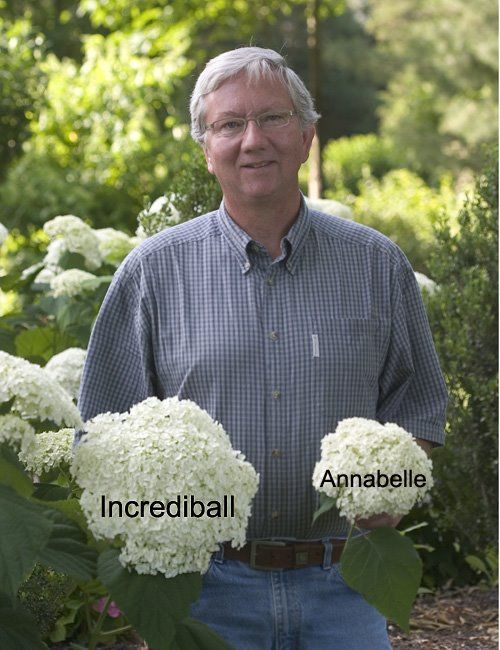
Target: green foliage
{"points": [[44, 594], [21, 85], [464, 320], [349, 160], [441, 103], [385, 567], [404, 208]]}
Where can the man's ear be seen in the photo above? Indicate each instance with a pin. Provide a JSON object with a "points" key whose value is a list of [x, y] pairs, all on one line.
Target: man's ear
{"points": [[208, 159], [307, 138]]}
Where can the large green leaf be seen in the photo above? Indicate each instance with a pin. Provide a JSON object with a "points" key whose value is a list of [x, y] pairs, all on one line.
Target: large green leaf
{"points": [[18, 630], [50, 492], [42, 343], [25, 530], [386, 569], [67, 550], [12, 472], [153, 604], [195, 635]]}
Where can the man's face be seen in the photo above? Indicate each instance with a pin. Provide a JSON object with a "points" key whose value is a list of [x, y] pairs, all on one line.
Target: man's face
{"points": [[257, 164]]}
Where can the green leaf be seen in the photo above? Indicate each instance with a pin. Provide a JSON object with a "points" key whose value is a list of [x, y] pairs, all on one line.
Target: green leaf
{"points": [[41, 342], [71, 508], [385, 568], [50, 492], [6, 407], [12, 472], [327, 503], [191, 634], [18, 630], [153, 604], [67, 550], [25, 532]]}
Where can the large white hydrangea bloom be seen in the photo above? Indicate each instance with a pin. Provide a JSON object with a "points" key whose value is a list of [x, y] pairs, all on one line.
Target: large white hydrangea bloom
{"points": [[77, 237], [15, 431], [37, 396], [66, 368], [114, 245], [47, 450], [362, 446], [160, 450], [74, 282]]}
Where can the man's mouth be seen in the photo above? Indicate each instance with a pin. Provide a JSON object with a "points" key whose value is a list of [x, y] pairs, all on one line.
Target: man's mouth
{"points": [[258, 165]]}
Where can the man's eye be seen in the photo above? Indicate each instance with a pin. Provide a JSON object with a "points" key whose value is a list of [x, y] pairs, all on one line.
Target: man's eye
{"points": [[230, 125], [273, 118]]}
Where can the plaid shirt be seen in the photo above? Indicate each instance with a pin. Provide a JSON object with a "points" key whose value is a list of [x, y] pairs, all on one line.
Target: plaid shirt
{"points": [[276, 351]]}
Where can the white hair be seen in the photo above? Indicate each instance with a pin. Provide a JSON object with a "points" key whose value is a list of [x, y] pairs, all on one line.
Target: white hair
{"points": [[256, 63]]}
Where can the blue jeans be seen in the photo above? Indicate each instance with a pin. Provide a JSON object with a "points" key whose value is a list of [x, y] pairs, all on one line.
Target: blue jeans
{"points": [[294, 609]]}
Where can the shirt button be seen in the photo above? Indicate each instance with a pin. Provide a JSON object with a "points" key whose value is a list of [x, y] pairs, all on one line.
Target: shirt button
{"points": [[276, 453], [273, 336], [275, 514], [276, 394], [270, 280], [247, 265]]}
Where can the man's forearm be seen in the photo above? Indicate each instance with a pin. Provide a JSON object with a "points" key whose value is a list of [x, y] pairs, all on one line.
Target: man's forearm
{"points": [[426, 445]]}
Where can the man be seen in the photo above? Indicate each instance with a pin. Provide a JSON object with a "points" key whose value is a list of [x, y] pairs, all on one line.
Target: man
{"points": [[280, 322]]}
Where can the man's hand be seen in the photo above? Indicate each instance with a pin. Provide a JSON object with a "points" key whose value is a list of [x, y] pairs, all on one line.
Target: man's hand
{"points": [[377, 521]]}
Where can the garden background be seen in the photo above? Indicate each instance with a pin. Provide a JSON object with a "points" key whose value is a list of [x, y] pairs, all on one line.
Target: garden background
{"points": [[94, 123]]}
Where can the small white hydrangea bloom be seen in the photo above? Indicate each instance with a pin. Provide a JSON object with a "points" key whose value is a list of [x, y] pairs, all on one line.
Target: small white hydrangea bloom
{"points": [[48, 450], [66, 368], [362, 446], [3, 233], [77, 237], [114, 245], [425, 283], [15, 430], [160, 450], [37, 396], [73, 282]]}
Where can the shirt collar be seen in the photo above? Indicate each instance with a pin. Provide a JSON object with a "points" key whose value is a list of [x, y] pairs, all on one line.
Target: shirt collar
{"points": [[239, 240]]}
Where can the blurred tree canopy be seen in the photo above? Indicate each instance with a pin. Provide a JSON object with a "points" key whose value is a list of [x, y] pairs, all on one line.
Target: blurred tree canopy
{"points": [[93, 108]]}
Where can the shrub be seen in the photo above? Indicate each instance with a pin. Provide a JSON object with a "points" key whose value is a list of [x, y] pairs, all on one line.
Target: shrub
{"points": [[404, 208], [464, 321], [349, 160]]}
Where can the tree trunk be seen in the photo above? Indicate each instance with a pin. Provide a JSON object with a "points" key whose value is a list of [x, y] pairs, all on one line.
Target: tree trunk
{"points": [[315, 184]]}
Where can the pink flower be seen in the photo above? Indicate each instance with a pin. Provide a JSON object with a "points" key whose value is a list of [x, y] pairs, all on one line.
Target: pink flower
{"points": [[113, 609]]}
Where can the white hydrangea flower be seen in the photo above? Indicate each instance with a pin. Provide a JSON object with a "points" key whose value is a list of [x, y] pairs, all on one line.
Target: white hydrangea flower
{"points": [[48, 450], [330, 206], [66, 368], [362, 446], [76, 237], [45, 276], [15, 430], [73, 282], [37, 396], [425, 283], [3, 233], [114, 245], [160, 450]]}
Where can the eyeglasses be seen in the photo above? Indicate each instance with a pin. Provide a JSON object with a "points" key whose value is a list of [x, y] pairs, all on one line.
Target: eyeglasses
{"points": [[230, 127]]}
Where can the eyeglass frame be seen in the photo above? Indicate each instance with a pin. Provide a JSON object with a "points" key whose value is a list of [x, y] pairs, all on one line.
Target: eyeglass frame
{"points": [[289, 113]]}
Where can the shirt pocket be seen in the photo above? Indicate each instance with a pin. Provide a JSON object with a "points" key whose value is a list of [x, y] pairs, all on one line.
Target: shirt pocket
{"points": [[346, 357]]}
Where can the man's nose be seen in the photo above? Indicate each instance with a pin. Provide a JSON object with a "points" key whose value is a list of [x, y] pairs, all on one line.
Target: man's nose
{"points": [[253, 136]]}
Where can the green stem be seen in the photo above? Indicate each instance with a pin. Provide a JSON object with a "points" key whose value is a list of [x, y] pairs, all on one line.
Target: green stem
{"points": [[118, 630], [349, 535], [96, 632]]}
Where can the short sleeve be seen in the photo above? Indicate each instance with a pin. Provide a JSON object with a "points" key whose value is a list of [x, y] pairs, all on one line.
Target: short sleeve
{"points": [[119, 370], [412, 390]]}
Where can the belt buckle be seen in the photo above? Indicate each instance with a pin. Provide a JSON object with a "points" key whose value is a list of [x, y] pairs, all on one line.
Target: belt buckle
{"points": [[253, 553]]}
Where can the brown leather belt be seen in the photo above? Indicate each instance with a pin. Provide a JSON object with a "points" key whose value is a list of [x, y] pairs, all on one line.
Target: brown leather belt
{"points": [[270, 555]]}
